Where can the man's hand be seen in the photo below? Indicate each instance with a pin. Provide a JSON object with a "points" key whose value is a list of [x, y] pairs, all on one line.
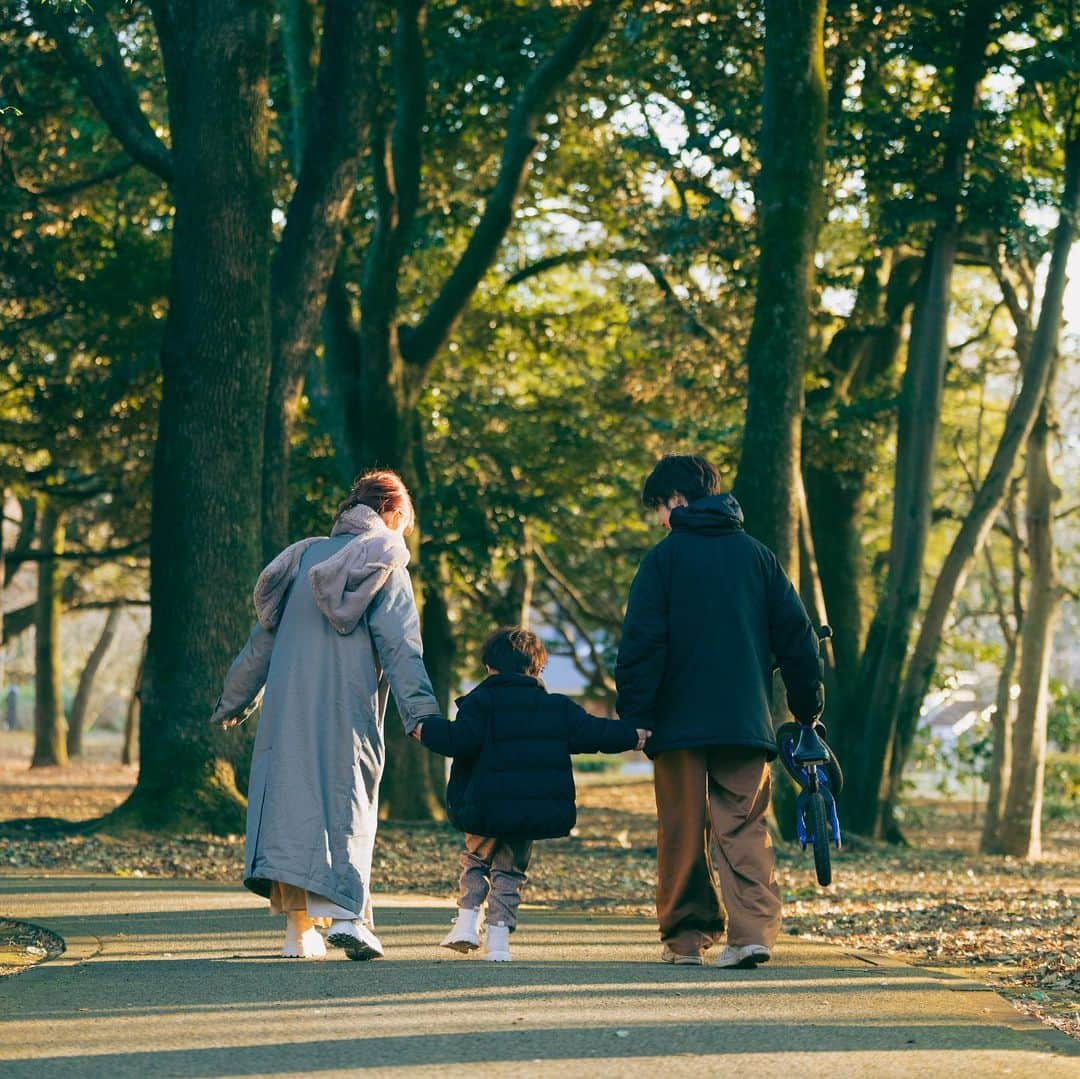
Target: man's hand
{"points": [[226, 723], [642, 737], [416, 731]]}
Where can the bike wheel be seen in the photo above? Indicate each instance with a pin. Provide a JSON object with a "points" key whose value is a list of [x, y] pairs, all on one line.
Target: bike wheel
{"points": [[819, 831]]}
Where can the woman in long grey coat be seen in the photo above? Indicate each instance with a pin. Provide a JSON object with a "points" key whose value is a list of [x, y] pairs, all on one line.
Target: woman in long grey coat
{"points": [[337, 625]]}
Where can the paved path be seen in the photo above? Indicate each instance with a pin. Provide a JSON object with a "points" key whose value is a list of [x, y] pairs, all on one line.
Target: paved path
{"points": [[167, 978]]}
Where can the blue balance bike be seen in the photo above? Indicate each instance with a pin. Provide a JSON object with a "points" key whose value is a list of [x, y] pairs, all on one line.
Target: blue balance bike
{"points": [[812, 764]]}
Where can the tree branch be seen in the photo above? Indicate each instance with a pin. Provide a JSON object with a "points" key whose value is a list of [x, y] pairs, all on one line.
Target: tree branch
{"points": [[420, 343], [336, 135], [107, 85], [641, 258], [410, 87], [17, 558], [62, 191], [604, 619]]}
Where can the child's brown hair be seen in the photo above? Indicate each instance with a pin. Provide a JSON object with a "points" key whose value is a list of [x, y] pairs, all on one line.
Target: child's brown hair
{"points": [[513, 650]]}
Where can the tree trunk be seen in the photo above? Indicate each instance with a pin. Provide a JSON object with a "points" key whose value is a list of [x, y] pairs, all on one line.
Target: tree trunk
{"points": [[205, 541], [859, 361], [991, 493], [1021, 826], [1001, 754], [80, 706], [50, 744], [919, 413], [789, 199], [130, 753], [3, 582], [336, 131]]}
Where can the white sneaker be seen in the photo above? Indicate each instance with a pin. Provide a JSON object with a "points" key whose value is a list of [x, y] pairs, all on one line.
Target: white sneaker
{"points": [[498, 944], [746, 958], [356, 939], [465, 936], [302, 943]]}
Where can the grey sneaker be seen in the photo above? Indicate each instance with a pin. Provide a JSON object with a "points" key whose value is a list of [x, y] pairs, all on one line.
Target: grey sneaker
{"points": [[694, 960], [746, 958]]}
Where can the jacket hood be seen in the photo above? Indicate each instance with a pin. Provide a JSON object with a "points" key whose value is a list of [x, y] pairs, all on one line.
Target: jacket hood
{"points": [[494, 681], [714, 515], [342, 585]]}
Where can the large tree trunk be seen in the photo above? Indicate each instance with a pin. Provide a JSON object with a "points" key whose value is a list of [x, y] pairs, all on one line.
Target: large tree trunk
{"points": [[334, 133], [50, 744], [130, 753], [1021, 826], [875, 699], [789, 201], [80, 706], [205, 539], [789, 206], [991, 493]]}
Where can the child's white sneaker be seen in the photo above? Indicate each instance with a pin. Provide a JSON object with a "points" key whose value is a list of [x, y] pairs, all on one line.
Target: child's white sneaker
{"points": [[498, 943], [356, 939], [302, 939], [465, 936], [746, 958]]}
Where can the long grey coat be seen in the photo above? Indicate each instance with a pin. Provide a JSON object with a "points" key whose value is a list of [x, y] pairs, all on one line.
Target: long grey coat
{"points": [[337, 623]]}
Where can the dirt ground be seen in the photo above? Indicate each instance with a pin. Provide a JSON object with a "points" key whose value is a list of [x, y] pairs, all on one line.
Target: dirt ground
{"points": [[940, 903]]}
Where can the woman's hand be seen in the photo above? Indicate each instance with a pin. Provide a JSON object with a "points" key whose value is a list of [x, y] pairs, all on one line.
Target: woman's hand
{"points": [[642, 737], [416, 731]]}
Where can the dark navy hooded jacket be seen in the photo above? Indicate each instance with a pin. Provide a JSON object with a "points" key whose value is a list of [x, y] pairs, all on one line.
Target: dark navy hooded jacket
{"points": [[511, 743], [709, 610]]}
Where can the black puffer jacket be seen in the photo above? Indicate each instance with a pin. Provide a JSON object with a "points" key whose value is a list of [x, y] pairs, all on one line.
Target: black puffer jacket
{"points": [[511, 744], [709, 609]]}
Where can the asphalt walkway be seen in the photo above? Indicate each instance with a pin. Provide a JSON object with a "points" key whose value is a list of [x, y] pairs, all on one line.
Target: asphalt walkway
{"points": [[170, 978]]}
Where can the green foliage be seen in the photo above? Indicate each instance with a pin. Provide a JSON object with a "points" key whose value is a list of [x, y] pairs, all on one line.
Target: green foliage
{"points": [[1063, 720], [1061, 787]]}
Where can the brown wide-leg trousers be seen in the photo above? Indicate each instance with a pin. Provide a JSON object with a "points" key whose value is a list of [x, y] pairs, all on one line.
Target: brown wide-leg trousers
{"points": [[713, 849]]}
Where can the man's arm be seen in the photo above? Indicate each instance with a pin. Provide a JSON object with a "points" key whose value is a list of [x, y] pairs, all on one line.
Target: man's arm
{"points": [[795, 645], [642, 660]]}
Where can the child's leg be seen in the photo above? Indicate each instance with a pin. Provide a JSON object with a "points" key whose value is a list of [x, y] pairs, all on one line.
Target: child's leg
{"points": [[476, 870], [508, 865]]}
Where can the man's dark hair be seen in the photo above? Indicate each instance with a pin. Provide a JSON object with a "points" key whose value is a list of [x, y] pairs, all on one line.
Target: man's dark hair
{"points": [[513, 650], [680, 473]]}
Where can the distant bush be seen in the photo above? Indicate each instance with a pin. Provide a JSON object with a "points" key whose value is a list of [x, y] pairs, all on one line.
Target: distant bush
{"points": [[597, 762], [1061, 787]]}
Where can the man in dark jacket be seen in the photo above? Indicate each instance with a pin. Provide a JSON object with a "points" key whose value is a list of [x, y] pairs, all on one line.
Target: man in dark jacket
{"points": [[709, 610], [512, 780]]}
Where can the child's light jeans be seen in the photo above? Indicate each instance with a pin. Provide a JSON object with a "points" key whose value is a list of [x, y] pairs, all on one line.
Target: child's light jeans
{"points": [[494, 869]]}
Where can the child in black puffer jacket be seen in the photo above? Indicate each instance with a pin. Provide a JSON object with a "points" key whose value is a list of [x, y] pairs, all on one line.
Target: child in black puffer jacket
{"points": [[512, 781]]}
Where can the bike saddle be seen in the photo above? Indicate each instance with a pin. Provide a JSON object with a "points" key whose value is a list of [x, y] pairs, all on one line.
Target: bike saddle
{"points": [[810, 749]]}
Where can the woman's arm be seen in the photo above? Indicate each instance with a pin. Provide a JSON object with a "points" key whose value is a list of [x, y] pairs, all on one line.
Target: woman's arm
{"points": [[395, 631], [246, 676]]}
